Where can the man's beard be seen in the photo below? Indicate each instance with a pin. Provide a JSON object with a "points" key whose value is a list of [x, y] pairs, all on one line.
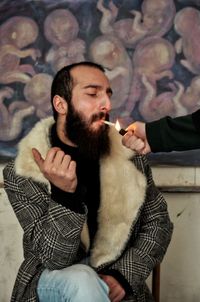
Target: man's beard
{"points": [[91, 143]]}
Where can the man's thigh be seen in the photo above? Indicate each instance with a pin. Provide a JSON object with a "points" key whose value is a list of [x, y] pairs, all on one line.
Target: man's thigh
{"points": [[76, 283]]}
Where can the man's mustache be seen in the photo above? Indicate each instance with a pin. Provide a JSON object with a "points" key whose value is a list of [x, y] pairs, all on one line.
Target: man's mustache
{"points": [[99, 116]]}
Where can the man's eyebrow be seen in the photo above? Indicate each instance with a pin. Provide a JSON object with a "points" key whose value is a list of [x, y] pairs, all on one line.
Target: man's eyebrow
{"points": [[92, 86], [108, 90]]}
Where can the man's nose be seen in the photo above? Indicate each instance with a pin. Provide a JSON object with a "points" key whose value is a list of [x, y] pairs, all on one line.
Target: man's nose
{"points": [[105, 103]]}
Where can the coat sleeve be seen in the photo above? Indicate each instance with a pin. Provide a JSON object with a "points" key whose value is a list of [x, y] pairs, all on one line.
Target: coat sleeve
{"points": [[51, 231], [174, 134], [150, 237]]}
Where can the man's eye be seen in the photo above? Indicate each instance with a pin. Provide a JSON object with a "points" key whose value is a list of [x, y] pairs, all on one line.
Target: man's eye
{"points": [[92, 94]]}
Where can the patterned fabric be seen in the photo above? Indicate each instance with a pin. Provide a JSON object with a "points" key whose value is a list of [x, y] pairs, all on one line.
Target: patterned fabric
{"points": [[52, 234]]}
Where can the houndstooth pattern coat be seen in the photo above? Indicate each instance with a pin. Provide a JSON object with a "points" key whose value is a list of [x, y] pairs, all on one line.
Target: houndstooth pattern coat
{"points": [[134, 228]]}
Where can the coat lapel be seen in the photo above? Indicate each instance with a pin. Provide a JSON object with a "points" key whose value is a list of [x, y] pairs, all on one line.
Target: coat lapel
{"points": [[37, 138], [122, 194]]}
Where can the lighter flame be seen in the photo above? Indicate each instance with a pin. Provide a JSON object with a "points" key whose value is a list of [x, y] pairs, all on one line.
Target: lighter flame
{"points": [[117, 125]]}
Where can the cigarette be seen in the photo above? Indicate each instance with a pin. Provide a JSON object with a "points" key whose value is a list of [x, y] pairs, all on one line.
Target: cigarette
{"points": [[121, 131], [109, 123]]}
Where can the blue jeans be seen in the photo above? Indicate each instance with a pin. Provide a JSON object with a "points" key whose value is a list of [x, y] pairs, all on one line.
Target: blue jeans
{"points": [[76, 283]]}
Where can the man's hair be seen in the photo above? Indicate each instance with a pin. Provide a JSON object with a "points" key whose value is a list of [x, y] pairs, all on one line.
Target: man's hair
{"points": [[62, 84]]}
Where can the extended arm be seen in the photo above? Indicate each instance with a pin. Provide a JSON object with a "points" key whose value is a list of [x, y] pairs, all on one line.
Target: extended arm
{"points": [[173, 134], [165, 135]]}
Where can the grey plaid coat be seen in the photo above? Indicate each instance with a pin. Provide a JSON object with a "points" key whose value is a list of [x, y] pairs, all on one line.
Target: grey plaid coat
{"points": [[134, 227]]}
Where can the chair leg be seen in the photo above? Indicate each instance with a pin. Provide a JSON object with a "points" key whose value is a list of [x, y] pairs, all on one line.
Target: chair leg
{"points": [[156, 283]]}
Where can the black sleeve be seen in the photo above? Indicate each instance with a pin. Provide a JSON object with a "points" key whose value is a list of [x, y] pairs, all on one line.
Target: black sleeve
{"points": [[174, 134], [73, 201], [196, 119]]}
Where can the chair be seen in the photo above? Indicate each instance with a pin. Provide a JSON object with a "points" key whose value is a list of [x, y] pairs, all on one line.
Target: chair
{"points": [[156, 283]]}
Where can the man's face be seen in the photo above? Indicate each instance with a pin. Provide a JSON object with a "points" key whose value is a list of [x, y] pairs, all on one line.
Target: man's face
{"points": [[89, 107], [91, 95]]}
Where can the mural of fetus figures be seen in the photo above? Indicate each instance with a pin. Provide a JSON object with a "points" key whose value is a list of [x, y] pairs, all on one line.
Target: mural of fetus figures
{"points": [[16, 34], [152, 61], [150, 50], [109, 51], [187, 21], [61, 30], [11, 116], [155, 18]]}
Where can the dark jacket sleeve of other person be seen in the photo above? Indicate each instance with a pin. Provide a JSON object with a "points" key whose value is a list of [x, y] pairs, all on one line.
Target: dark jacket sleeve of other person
{"points": [[174, 134]]}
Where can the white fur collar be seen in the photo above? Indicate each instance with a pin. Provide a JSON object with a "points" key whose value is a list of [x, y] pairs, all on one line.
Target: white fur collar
{"points": [[37, 138], [122, 194], [122, 190]]}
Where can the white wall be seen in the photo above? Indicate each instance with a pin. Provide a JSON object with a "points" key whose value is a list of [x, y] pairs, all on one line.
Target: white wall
{"points": [[180, 275], [10, 246], [180, 270]]}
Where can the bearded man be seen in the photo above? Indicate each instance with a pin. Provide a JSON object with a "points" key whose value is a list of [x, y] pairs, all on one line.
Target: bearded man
{"points": [[94, 223]]}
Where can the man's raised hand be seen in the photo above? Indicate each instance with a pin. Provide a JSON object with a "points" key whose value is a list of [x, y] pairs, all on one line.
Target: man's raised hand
{"points": [[58, 168]]}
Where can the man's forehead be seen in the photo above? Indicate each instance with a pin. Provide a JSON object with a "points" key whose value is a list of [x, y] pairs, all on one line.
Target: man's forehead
{"points": [[87, 74]]}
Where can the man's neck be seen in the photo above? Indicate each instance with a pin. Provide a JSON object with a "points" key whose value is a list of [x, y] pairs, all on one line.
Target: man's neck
{"points": [[62, 136]]}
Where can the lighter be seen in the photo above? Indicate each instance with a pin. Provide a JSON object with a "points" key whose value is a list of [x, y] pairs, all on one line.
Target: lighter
{"points": [[117, 125]]}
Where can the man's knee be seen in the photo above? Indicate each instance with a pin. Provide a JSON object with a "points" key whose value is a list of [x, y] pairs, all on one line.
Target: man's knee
{"points": [[80, 274], [86, 285], [76, 283]]}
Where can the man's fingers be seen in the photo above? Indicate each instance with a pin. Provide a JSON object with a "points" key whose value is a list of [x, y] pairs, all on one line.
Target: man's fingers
{"points": [[146, 150], [126, 138], [72, 167], [116, 294], [58, 168], [60, 158], [51, 155], [132, 141], [137, 145], [38, 158]]}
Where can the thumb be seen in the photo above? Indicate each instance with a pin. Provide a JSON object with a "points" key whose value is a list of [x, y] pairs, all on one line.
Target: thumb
{"points": [[37, 158], [130, 128]]}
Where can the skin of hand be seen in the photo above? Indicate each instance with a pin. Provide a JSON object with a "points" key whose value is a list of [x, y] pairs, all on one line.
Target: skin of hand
{"points": [[116, 293], [58, 168], [136, 139]]}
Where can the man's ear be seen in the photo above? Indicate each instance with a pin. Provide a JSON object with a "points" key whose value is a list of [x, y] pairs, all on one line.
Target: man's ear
{"points": [[60, 104]]}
